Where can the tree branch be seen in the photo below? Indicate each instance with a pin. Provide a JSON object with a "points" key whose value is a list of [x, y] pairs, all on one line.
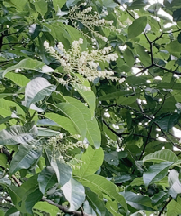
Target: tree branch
{"points": [[65, 209], [165, 206], [121, 134]]}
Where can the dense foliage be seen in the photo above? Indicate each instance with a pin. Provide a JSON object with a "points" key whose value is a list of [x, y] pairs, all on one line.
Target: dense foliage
{"points": [[89, 99]]}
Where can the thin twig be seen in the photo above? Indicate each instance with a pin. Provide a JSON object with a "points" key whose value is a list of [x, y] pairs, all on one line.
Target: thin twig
{"points": [[65, 209], [16, 180], [165, 206]]}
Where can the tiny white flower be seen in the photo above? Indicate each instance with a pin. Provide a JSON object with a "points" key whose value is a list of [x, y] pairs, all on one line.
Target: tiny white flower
{"points": [[60, 46], [80, 40], [46, 44]]}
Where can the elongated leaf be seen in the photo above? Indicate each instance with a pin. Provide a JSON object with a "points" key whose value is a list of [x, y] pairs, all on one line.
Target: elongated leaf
{"points": [[6, 105], [93, 132], [58, 4], [100, 185], [63, 122], [19, 79], [18, 135], [88, 96], [24, 158], [161, 156], [27, 64], [32, 199], [74, 192], [62, 170], [88, 158], [3, 160], [94, 201], [113, 207], [46, 207], [137, 27], [41, 7], [168, 121], [174, 207], [46, 179], [73, 113], [156, 172], [137, 201], [36, 90]]}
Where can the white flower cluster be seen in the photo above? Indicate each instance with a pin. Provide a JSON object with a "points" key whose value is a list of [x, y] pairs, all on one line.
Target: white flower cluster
{"points": [[85, 63], [90, 21]]}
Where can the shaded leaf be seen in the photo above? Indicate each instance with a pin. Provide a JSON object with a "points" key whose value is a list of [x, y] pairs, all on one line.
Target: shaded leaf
{"points": [[98, 184], [46, 179]]}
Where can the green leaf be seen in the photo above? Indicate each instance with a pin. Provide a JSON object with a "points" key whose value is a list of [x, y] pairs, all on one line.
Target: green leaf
{"points": [[32, 199], [129, 57], [26, 156], [62, 170], [176, 15], [73, 113], [174, 207], [137, 201], [137, 27], [96, 203], [46, 179], [100, 185], [19, 79], [88, 162], [144, 57], [74, 192], [88, 96], [20, 5], [18, 135], [156, 172], [6, 105], [36, 90], [2, 213], [27, 64], [12, 212], [92, 127], [168, 121], [163, 155], [41, 7], [63, 122], [137, 4], [46, 207], [58, 4], [113, 208], [3, 160], [115, 95]]}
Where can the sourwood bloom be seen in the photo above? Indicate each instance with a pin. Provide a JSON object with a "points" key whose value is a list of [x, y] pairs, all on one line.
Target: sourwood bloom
{"points": [[75, 61]]}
